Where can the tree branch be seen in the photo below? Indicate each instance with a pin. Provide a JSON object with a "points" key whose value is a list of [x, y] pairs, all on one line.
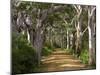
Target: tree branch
{"points": [[76, 8], [65, 21], [84, 30], [73, 19], [44, 14], [75, 25], [92, 11]]}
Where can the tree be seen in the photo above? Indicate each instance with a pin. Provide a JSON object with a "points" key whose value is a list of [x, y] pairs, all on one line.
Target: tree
{"points": [[78, 28], [92, 34]]}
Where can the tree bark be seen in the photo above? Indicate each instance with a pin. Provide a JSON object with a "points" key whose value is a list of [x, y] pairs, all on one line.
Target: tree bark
{"points": [[78, 29], [38, 41], [91, 31], [68, 39], [79, 38], [73, 42]]}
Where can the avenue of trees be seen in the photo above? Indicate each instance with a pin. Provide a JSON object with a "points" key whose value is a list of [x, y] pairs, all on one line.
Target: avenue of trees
{"points": [[38, 28]]}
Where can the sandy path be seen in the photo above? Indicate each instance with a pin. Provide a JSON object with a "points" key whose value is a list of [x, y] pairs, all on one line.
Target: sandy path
{"points": [[59, 60]]}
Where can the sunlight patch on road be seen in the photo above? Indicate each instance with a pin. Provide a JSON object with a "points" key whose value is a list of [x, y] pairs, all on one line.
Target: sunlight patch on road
{"points": [[72, 65], [56, 60], [48, 59]]}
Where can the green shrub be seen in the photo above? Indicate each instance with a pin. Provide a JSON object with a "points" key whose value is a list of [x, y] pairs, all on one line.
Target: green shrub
{"points": [[22, 55], [46, 51], [84, 56]]}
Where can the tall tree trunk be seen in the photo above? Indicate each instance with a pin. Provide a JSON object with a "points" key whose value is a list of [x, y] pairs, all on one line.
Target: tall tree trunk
{"points": [[79, 38], [78, 29], [38, 40], [28, 37], [73, 42], [51, 38], [91, 31], [30, 34], [68, 39]]}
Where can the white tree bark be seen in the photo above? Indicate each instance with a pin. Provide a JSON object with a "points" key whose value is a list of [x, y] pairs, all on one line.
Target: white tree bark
{"points": [[68, 39], [78, 29], [28, 37], [91, 31]]}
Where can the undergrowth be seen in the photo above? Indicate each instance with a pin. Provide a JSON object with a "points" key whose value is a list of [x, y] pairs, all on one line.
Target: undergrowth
{"points": [[23, 57]]}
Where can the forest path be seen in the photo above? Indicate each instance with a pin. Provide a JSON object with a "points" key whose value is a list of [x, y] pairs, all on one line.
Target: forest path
{"points": [[60, 60]]}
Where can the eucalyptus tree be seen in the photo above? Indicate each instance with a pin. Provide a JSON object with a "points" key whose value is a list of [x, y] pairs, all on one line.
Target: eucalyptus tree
{"points": [[81, 28], [92, 33], [78, 26]]}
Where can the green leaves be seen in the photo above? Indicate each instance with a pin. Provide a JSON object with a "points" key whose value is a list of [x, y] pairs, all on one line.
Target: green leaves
{"points": [[23, 56], [84, 56], [46, 51]]}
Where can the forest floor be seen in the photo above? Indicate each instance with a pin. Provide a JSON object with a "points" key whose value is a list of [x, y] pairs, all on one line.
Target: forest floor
{"points": [[60, 60]]}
